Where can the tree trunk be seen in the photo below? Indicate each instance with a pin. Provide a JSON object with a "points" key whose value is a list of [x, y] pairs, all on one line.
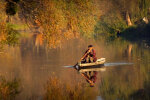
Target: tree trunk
{"points": [[8, 20], [145, 19], [128, 19]]}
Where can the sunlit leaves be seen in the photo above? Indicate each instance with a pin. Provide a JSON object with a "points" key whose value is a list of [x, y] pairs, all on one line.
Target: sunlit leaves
{"points": [[63, 19]]}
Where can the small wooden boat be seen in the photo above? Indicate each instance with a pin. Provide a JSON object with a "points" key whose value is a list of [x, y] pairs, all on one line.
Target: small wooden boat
{"points": [[100, 62], [101, 69]]}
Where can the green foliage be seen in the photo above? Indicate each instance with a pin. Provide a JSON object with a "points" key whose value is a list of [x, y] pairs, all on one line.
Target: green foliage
{"points": [[137, 33], [136, 8], [144, 7], [114, 21], [8, 32], [110, 24], [18, 26], [12, 36]]}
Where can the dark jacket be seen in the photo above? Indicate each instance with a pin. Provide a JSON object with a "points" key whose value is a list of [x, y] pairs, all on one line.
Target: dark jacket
{"points": [[91, 54]]}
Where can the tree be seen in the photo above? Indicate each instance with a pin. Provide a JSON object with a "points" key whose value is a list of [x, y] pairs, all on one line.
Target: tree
{"points": [[61, 19], [11, 8]]}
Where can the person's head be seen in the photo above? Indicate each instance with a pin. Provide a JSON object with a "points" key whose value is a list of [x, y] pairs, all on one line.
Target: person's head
{"points": [[90, 46]]}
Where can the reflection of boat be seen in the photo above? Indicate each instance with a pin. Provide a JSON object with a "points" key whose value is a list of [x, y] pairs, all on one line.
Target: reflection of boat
{"points": [[98, 63]]}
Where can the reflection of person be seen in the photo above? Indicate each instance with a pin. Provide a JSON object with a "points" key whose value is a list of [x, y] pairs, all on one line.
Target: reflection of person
{"points": [[91, 55], [91, 77]]}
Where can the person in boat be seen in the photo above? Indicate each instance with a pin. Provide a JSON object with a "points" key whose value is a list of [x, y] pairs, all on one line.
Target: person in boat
{"points": [[90, 55]]}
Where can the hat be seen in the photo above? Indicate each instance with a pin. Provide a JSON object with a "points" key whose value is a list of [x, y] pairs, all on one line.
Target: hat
{"points": [[90, 45]]}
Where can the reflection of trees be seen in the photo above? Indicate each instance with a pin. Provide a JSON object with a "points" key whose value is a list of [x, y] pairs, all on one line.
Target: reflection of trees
{"points": [[128, 51], [128, 82], [119, 84], [38, 40], [57, 90]]}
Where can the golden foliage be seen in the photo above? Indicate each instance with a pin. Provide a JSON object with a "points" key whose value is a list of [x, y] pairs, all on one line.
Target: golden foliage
{"points": [[2, 5], [63, 19], [2, 31], [2, 21]]}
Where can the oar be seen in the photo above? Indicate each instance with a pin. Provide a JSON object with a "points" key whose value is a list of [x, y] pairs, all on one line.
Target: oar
{"points": [[85, 76], [91, 82], [82, 57]]}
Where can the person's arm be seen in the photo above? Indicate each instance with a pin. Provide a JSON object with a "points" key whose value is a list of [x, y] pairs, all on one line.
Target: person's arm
{"points": [[94, 53], [87, 52]]}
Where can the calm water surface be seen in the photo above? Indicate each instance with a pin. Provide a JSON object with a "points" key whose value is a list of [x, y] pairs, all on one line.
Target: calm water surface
{"points": [[33, 64]]}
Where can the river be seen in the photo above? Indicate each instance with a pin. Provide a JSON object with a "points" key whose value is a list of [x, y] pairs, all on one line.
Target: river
{"points": [[33, 64]]}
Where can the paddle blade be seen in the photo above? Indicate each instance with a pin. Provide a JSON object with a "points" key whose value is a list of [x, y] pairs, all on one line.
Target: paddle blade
{"points": [[76, 67], [68, 66]]}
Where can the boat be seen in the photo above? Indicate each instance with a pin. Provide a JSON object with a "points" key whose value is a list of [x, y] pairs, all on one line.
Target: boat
{"points": [[101, 69], [99, 63]]}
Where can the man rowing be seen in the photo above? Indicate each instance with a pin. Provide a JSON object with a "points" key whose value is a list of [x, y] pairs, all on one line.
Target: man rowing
{"points": [[90, 55]]}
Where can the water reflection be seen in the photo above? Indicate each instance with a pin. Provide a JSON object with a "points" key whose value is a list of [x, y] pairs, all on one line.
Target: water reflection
{"points": [[90, 77], [34, 66], [128, 52]]}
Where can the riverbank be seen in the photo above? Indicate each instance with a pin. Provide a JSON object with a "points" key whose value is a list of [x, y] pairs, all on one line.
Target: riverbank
{"points": [[139, 34]]}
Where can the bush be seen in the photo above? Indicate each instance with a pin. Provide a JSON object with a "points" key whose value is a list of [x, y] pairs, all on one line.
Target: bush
{"points": [[12, 37], [110, 24]]}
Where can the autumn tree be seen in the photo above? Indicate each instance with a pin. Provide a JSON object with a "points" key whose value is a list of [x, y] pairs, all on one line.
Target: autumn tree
{"points": [[121, 14], [61, 19]]}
